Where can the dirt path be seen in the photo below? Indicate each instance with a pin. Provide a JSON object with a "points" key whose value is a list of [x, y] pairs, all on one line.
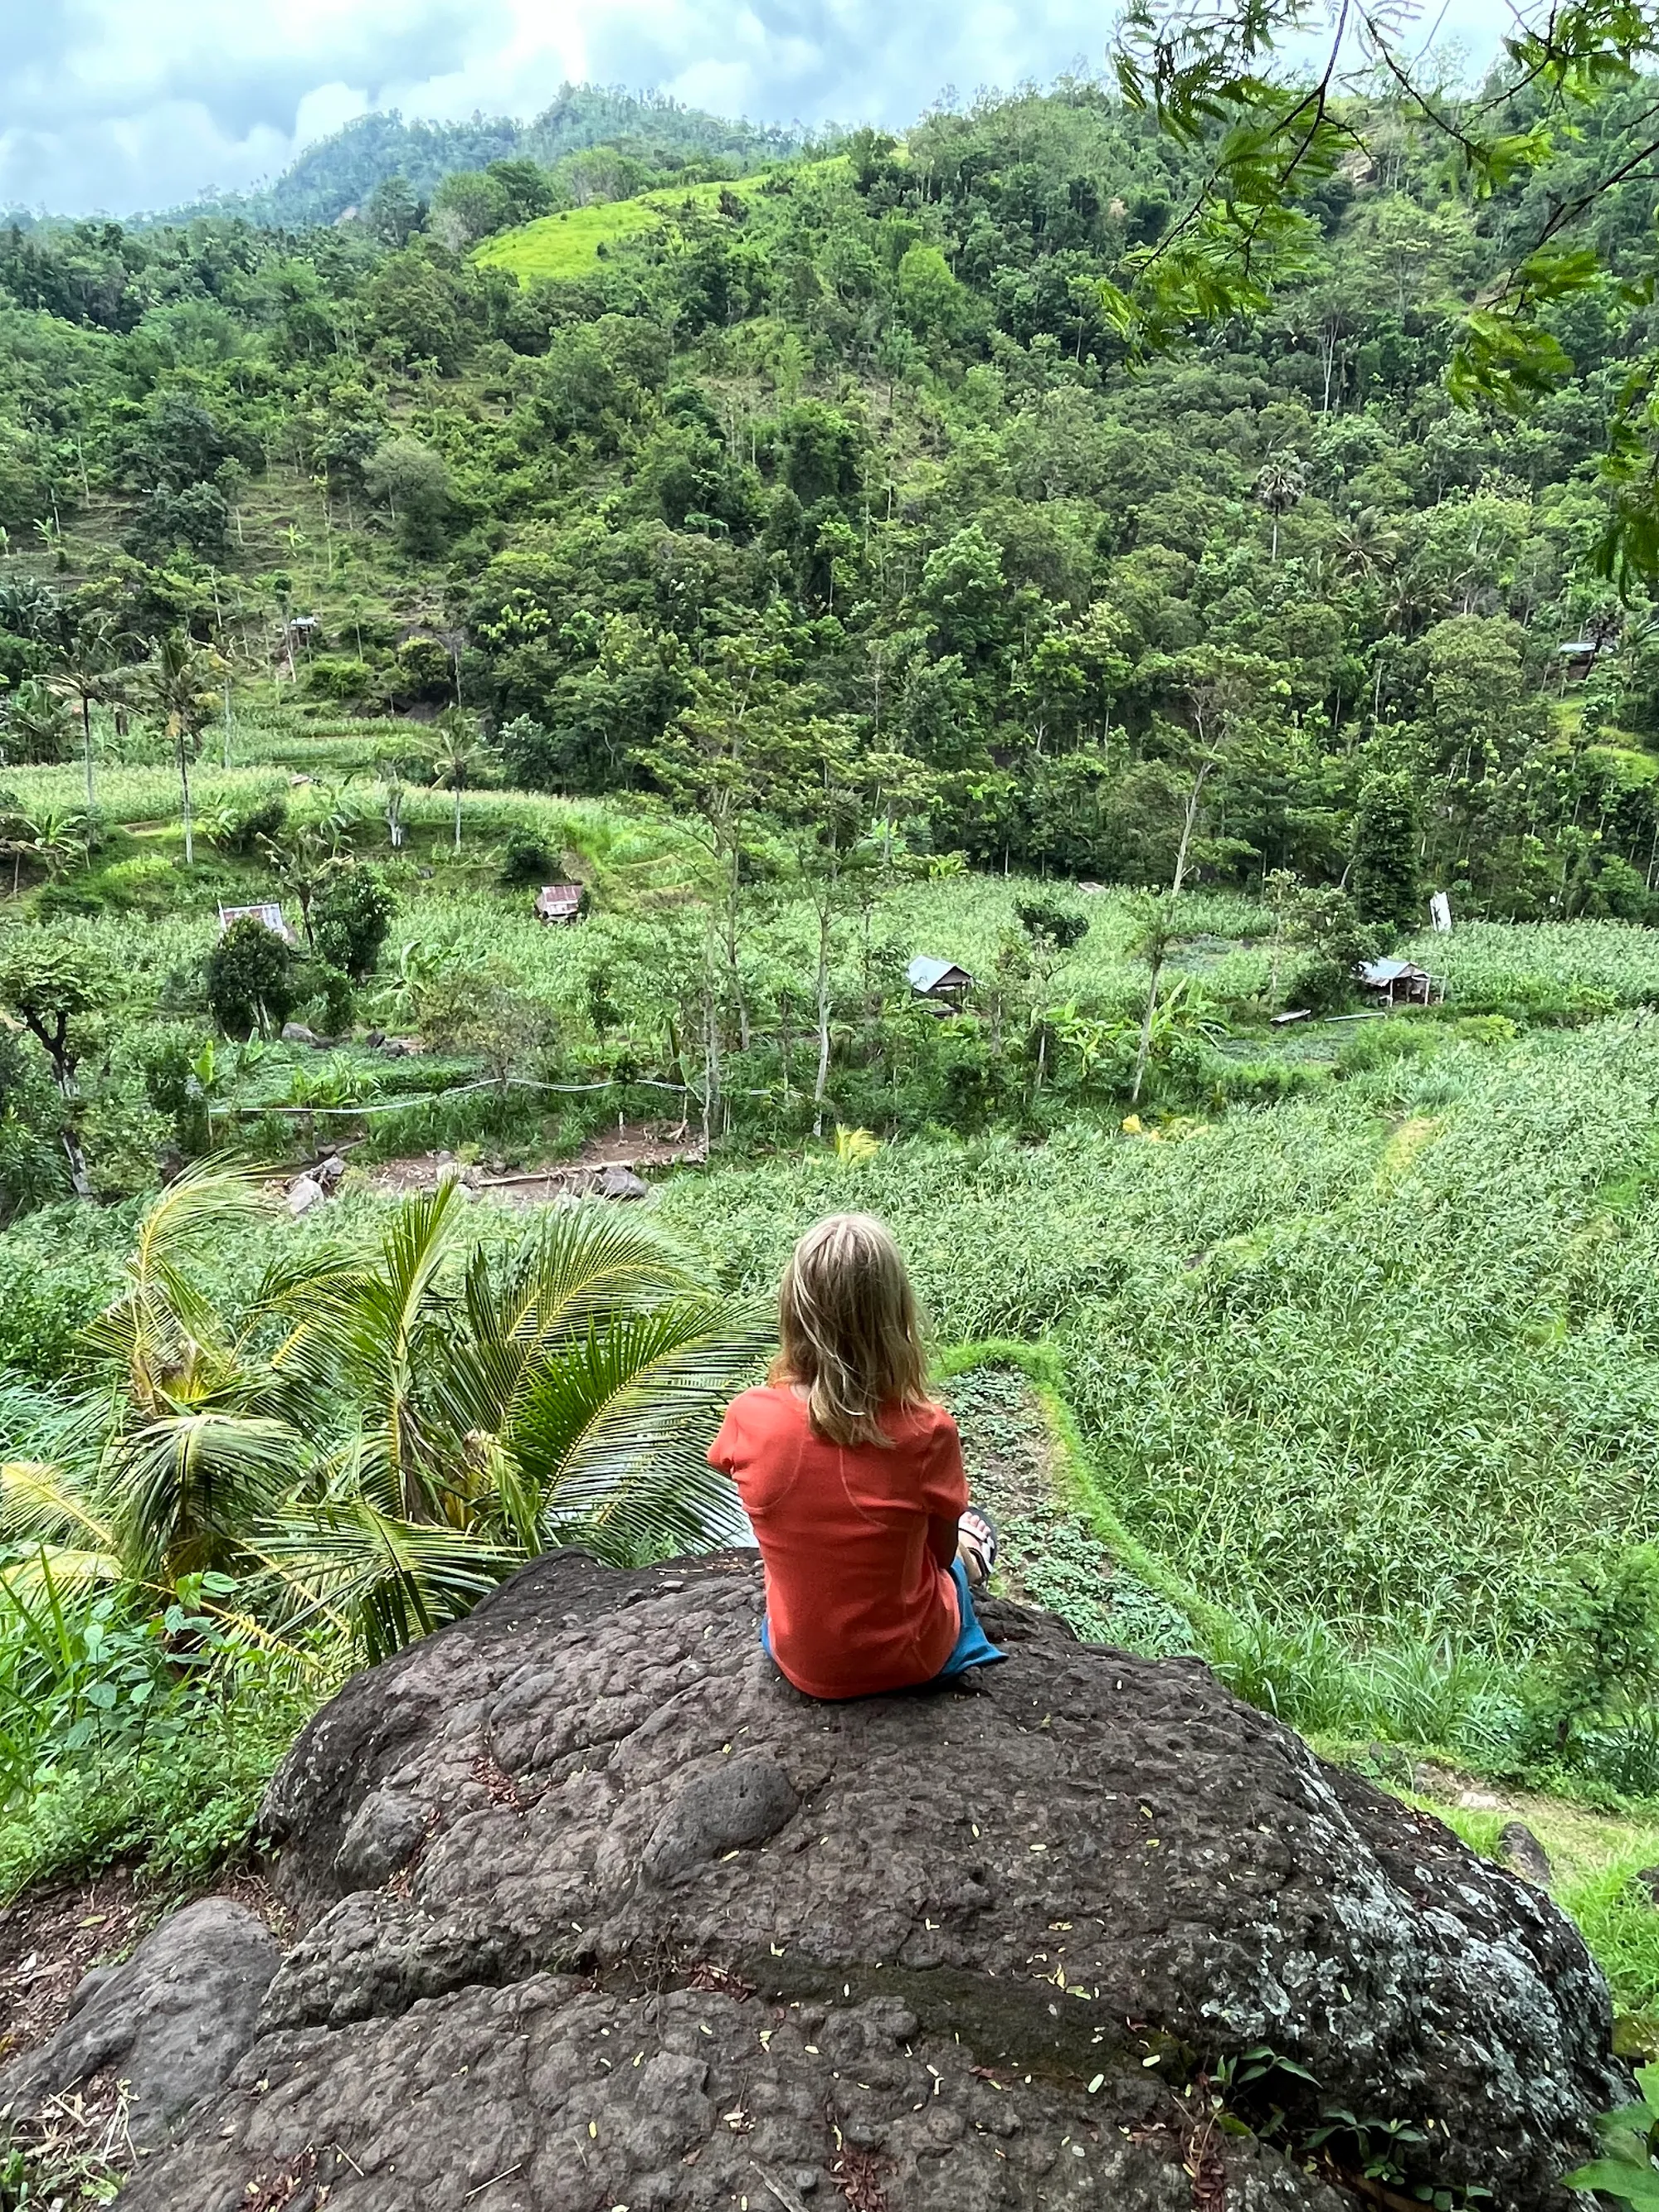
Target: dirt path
{"points": [[635, 1146], [1050, 1556]]}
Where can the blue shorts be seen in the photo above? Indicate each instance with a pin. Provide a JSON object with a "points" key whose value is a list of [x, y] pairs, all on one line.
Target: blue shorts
{"points": [[973, 1647]]}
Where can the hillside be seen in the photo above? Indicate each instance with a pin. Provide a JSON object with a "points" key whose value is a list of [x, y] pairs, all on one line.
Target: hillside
{"points": [[862, 426], [341, 171]]}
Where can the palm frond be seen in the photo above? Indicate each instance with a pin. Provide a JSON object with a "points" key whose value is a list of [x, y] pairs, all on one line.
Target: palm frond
{"points": [[161, 1309], [577, 1267], [189, 1485], [384, 1580], [366, 1329], [41, 1498], [59, 1567], [612, 1436]]}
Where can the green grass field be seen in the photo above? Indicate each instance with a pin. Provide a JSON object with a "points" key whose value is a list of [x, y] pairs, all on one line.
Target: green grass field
{"points": [[569, 244]]}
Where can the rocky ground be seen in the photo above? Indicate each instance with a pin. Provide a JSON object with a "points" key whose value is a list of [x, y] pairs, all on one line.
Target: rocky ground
{"points": [[594, 1911]]}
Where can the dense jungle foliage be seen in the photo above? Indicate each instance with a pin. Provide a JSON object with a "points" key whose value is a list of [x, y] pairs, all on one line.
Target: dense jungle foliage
{"points": [[849, 451], [778, 544]]}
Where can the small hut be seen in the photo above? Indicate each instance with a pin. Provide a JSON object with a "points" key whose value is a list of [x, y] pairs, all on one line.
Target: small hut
{"points": [[559, 903], [1399, 982], [1577, 658], [939, 980], [270, 914]]}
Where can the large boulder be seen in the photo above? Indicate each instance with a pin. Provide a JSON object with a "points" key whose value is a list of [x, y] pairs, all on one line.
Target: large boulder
{"points": [[596, 1911], [171, 2022]]}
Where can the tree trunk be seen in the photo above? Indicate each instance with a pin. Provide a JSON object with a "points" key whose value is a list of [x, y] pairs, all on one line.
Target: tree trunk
{"points": [[821, 1083], [1189, 825], [733, 895], [711, 1058], [1145, 1045], [79, 1182], [86, 742], [184, 789], [457, 817]]}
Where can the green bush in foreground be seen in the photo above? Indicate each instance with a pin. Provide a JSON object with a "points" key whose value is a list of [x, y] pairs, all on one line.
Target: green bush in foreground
{"points": [[177, 1808]]}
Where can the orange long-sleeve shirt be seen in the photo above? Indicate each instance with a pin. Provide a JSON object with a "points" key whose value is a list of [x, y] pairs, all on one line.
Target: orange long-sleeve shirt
{"points": [[857, 1542]]}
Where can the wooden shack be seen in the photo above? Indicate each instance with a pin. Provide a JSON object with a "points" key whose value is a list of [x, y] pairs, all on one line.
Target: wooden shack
{"points": [[559, 903], [1399, 983], [939, 980]]}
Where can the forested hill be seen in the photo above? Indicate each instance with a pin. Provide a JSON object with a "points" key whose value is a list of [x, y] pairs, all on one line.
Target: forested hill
{"points": [[341, 170], [835, 464]]}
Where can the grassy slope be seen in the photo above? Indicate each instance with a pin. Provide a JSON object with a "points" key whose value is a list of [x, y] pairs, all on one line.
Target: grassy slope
{"points": [[1064, 1547], [567, 244]]}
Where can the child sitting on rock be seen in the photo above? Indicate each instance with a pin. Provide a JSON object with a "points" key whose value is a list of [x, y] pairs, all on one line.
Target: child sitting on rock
{"points": [[851, 1478]]}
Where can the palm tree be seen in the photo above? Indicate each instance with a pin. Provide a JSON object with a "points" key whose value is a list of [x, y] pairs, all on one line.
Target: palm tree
{"points": [[388, 1431], [31, 609], [1281, 484], [182, 682], [57, 837], [1367, 544], [459, 758], [517, 1396], [86, 672], [302, 856], [193, 1447]]}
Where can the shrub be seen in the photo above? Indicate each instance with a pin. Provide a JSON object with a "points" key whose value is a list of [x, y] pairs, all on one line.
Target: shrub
{"points": [[148, 880], [535, 759], [69, 896], [527, 858], [250, 978], [331, 677], [350, 918], [424, 669], [333, 986], [1319, 982], [241, 829], [1063, 927], [1589, 1699], [173, 1059]]}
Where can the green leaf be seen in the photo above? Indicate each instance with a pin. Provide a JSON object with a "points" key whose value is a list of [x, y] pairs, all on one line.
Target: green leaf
{"points": [[1612, 2177]]}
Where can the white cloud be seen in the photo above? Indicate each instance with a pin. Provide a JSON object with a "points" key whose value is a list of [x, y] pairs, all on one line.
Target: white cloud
{"points": [[126, 104]]}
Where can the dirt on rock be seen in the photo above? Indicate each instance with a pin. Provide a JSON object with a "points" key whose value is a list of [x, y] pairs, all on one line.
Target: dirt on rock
{"points": [[56, 1932], [595, 1911]]}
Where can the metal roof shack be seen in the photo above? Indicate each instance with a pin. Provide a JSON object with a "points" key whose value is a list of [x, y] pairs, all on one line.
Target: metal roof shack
{"points": [[1400, 982], [932, 978], [270, 914], [559, 903]]}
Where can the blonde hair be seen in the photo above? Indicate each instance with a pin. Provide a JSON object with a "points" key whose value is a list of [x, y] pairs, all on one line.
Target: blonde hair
{"points": [[849, 1329]]}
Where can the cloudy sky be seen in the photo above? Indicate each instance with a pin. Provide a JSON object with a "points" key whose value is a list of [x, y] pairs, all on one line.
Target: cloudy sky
{"points": [[121, 104]]}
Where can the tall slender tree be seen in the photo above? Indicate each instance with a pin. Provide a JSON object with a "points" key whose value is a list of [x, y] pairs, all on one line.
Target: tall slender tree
{"points": [[182, 683], [460, 757], [88, 671]]}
